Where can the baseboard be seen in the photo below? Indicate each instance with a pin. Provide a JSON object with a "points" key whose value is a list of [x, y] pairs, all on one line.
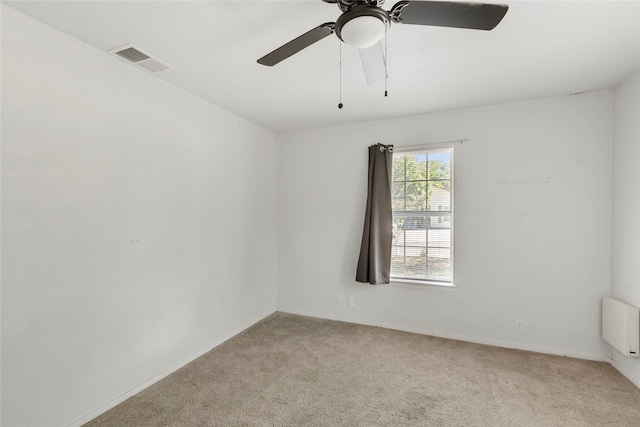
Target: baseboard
{"points": [[633, 377], [137, 389], [460, 337]]}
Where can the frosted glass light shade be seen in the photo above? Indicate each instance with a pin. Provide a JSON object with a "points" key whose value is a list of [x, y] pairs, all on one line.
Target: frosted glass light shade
{"points": [[363, 31]]}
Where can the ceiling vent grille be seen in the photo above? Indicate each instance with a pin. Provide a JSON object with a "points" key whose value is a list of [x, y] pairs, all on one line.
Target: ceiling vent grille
{"points": [[132, 54], [142, 59]]}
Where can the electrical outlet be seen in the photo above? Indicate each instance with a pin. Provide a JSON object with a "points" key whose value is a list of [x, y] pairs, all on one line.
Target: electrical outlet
{"points": [[339, 300], [215, 308], [519, 325], [352, 302]]}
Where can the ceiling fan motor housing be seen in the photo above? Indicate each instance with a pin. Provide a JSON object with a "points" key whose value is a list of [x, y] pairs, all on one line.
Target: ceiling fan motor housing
{"points": [[345, 5], [362, 26]]}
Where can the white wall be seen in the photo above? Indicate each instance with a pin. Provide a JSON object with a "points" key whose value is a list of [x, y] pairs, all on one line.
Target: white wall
{"points": [[626, 206], [532, 224], [128, 208]]}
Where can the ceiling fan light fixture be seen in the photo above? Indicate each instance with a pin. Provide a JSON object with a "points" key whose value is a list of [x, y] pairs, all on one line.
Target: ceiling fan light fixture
{"points": [[363, 31], [362, 27]]}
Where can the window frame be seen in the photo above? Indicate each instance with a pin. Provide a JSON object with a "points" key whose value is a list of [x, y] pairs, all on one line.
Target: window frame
{"points": [[426, 283]]}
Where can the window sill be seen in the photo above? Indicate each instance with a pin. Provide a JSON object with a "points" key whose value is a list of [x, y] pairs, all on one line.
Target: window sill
{"points": [[421, 284]]}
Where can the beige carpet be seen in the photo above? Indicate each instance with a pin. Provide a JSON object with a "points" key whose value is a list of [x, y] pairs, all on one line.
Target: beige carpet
{"points": [[298, 371]]}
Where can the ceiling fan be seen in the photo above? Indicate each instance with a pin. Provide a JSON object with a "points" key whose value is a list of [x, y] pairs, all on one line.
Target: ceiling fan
{"points": [[364, 23]]}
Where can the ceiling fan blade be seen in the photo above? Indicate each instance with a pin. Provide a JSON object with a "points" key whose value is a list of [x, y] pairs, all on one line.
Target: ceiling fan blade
{"points": [[477, 16], [297, 44], [373, 63]]}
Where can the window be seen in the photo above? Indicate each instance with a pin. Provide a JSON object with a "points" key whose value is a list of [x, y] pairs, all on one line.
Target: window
{"points": [[421, 197]]}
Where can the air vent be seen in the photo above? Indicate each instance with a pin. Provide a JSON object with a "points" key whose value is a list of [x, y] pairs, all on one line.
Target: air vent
{"points": [[132, 54], [140, 58]]}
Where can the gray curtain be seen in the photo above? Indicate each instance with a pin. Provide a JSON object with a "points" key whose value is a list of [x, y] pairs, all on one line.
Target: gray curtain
{"points": [[374, 264]]}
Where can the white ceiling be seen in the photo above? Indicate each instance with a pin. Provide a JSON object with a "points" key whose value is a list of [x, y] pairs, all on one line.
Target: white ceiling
{"points": [[540, 49]]}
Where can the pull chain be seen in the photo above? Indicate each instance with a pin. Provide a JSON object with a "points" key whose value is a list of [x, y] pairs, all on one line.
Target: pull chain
{"points": [[340, 78], [386, 57]]}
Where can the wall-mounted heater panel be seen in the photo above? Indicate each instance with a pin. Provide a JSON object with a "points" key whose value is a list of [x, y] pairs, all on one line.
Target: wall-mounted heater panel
{"points": [[621, 326]]}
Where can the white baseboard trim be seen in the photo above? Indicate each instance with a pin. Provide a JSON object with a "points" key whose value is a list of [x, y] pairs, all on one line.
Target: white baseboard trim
{"points": [[460, 337], [633, 377], [137, 389]]}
